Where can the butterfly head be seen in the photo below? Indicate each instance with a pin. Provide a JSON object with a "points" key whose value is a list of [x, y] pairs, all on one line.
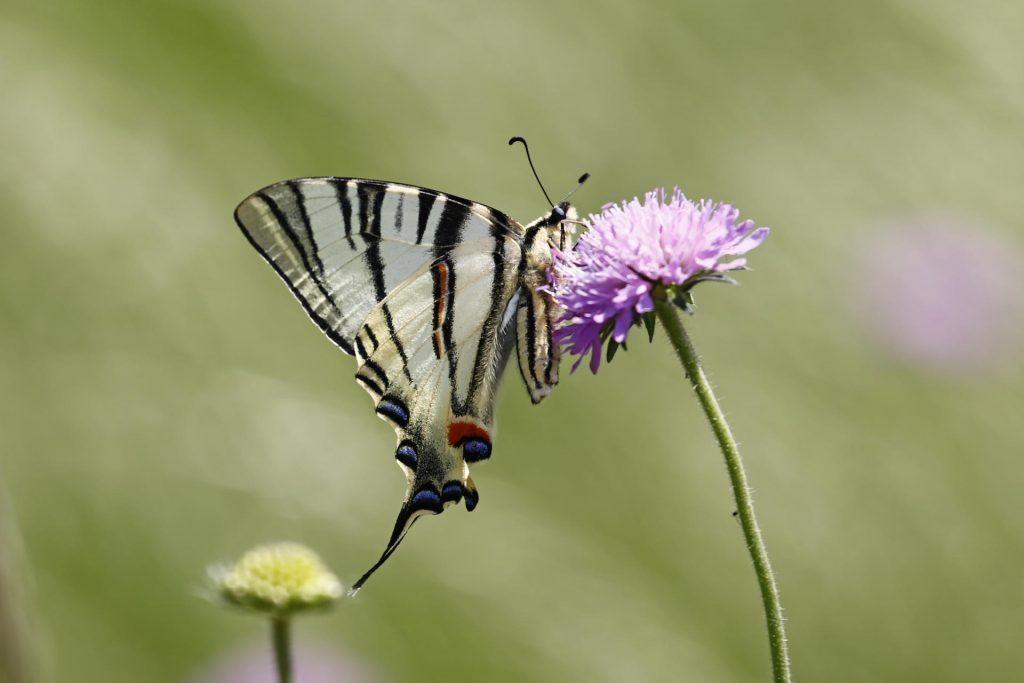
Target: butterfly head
{"points": [[560, 212], [560, 224]]}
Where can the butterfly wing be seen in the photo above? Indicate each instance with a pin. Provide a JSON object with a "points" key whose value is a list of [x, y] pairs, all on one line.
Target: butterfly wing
{"points": [[340, 244], [421, 287]]}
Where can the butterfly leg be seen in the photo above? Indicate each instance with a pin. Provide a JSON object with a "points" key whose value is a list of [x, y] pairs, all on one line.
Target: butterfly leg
{"points": [[538, 355]]}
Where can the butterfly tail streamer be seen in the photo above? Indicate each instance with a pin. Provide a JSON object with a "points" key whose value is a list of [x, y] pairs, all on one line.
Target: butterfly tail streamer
{"points": [[402, 526]]}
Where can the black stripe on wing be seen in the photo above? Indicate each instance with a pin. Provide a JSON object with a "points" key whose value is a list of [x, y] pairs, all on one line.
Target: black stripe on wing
{"points": [[375, 265], [425, 204], [341, 192], [447, 234], [426, 198], [324, 326], [371, 336], [366, 214], [488, 335]]}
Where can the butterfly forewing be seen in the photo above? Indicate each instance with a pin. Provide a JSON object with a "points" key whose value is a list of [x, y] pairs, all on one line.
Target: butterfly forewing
{"points": [[341, 244]]}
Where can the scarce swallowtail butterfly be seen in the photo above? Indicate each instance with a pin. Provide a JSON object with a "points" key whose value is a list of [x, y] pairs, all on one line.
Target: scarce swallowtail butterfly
{"points": [[432, 294]]}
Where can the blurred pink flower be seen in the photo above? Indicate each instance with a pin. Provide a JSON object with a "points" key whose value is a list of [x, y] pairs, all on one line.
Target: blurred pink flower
{"points": [[940, 293], [256, 665]]}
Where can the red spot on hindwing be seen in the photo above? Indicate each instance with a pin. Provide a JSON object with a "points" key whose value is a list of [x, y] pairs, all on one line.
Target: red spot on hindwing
{"points": [[457, 431]]}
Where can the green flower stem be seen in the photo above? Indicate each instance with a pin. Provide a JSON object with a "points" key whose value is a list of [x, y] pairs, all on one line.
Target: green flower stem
{"points": [[281, 635], [669, 316]]}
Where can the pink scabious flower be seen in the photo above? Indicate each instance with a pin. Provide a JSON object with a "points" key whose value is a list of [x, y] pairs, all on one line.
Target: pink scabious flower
{"points": [[634, 252]]}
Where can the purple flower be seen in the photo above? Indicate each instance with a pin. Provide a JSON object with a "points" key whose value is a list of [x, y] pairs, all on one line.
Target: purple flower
{"points": [[939, 293], [635, 252]]}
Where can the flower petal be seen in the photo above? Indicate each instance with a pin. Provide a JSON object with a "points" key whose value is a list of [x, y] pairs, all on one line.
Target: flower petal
{"points": [[752, 240]]}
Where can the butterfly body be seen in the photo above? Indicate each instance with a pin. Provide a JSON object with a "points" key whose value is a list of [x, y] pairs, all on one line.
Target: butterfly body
{"points": [[432, 294]]}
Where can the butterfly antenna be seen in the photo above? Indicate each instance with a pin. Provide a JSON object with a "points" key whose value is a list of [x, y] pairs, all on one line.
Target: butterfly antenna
{"points": [[532, 167], [583, 179]]}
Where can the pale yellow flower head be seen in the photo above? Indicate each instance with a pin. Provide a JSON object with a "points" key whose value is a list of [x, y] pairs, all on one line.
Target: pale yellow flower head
{"points": [[282, 578]]}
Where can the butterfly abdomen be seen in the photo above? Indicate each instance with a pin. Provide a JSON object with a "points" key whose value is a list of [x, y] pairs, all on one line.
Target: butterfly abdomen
{"points": [[536, 316]]}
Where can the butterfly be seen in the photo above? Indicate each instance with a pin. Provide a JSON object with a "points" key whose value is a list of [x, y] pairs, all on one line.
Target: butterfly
{"points": [[432, 294]]}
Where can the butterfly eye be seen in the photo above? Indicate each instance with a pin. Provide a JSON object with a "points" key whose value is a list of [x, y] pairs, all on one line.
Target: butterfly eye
{"points": [[475, 450], [406, 454]]}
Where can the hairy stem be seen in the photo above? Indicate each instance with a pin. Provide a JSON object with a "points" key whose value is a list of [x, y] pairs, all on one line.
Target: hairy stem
{"points": [[669, 316]]}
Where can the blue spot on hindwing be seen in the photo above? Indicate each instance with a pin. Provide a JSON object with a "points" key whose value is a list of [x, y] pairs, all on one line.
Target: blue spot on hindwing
{"points": [[475, 450], [407, 455], [394, 410], [426, 499], [452, 491]]}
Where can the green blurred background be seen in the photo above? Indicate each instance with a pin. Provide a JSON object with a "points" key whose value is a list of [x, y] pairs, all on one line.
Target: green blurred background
{"points": [[166, 404]]}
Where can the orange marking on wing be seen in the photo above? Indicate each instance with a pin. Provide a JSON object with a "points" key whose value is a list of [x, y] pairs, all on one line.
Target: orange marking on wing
{"points": [[442, 300], [457, 431]]}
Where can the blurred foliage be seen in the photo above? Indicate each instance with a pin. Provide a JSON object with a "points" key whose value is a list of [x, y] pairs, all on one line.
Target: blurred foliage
{"points": [[168, 405]]}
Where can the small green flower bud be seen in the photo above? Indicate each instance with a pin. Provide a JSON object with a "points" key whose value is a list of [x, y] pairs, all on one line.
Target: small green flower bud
{"points": [[278, 579]]}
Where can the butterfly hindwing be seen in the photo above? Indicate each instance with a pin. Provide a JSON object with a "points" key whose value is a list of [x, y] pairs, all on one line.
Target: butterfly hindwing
{"points": [[434, 378]]}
